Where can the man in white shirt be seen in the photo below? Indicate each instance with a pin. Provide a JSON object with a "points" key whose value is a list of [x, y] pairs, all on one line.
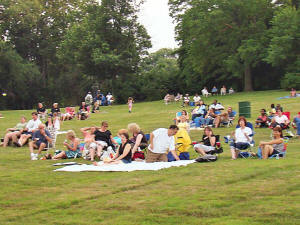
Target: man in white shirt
{"points": [[31, 127], [196, 98], [161, 141], [109, 98], [280, 120]]}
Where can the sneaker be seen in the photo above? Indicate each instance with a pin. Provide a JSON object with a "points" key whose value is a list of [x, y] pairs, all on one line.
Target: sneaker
{"points": [[290, 133], [33, 157]]}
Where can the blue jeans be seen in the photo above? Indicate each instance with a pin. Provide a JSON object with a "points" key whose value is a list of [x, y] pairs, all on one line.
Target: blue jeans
{"points": [[206, 121], [297, 122]]}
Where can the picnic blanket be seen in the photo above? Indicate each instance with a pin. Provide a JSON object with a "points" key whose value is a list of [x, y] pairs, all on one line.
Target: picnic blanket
{"points": [[134, 166], [285, 97]]}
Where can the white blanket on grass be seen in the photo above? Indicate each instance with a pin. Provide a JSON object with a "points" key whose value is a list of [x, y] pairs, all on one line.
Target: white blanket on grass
{"points": [[125, 167]]}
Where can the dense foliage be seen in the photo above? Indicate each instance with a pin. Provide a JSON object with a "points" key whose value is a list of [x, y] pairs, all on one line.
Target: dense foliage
{"points": [[55, 51]]}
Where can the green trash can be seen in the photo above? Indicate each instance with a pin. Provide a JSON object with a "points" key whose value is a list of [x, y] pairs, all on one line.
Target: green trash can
{"points": [[245, 109]]}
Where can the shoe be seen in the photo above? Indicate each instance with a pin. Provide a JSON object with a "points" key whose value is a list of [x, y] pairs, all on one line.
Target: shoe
{"points": [[33, 157], [290, 133]]}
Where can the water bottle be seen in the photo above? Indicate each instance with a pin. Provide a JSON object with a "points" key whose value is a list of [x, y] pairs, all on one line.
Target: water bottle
{"points": [[277, 156]]}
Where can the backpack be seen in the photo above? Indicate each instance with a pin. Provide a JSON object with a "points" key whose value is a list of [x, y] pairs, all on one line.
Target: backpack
{"points": [[207, 158]]}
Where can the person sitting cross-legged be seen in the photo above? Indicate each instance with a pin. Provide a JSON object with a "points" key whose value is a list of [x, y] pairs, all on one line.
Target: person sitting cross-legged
{"points": [[161, 141], [40, 140], [280, 120], [30, 128], [72, 146], [208, 142], [14, 133], [262, 119], [274, 146]]}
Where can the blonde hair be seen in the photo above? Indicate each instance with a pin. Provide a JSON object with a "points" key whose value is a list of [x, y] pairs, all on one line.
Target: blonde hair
{"points": [[122, 131], [71, 134], [134, 128]]}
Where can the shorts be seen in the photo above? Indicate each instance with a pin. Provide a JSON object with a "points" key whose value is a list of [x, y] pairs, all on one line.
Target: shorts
{"points": [[125, 161], [92, 145], [156, 157], [182, 156], [38, 143], [240, 145], [204, 147], [275, 152], [102, 143], [27, 133]]}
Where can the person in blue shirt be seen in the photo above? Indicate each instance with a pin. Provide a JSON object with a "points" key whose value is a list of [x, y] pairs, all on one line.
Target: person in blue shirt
{"points": [[40, 140]]}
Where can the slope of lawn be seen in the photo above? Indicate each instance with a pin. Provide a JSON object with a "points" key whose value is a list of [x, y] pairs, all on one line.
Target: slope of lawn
{"points": [[244, 191]]}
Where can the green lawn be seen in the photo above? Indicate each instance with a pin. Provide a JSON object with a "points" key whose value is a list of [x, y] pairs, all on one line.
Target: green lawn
{"points": [[244, 191]]}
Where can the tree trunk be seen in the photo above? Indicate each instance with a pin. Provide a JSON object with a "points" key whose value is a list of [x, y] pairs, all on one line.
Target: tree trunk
{"points": [[247, 79]]}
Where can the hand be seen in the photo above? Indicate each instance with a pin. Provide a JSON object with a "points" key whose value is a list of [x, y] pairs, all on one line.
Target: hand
{"points": [[43, 132], [66, 144], [151, 146], [177, 158]]}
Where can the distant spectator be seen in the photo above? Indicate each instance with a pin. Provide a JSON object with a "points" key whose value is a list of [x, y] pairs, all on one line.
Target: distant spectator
{"points": [[262, 120], [196, 98], [199, 111], [178, 97], [293, 92], [297, 123], [186, 100], [272, 112], [167, 99], [130, 104], [214, 91], [230, 91], [98, 98], [55, 109], [15, 132], [72, 146], [183, 113], [88, 99], [205, 92], [30, 128], [69, 114], [161, 141], [82, 113], [209, 118], [109, 98], [223, 90], [278, 106], [40, 140], [280, 120], [103, 100], [216, 106], [42, 112]]}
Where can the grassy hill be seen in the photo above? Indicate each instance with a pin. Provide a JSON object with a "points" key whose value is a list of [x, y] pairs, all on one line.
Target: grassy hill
{"points": [[244, 191]]}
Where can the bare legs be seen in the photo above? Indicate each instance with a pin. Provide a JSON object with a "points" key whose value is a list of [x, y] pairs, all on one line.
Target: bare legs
{"points": [[11, 136], [266, 150], [234, 153], [200, 151]]}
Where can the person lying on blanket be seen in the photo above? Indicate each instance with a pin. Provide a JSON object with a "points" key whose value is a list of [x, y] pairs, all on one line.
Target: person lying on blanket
{"points": [[123, 154]]}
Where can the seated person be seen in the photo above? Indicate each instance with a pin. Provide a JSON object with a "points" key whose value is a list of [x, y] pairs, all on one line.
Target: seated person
{"points": [[216, 106], [204, 92], [224, 117], [297, 123], [208, 142], [262, 120], [138, 139], [280, 120], [69, 114], [40, 140], [293, 92], [183, 123], [214, 91], [109, 98], [199, 111], [73, 147], [82, 112], [278, 106], [183, 113], [103, 100], [31, 127], [123, 154], [242, 138], [53, 123], [196, 98], [161, 142], [89, 142], [183, 143], [230, 91], [14, 133], [209, 118], [274, 146], [103, 139], [167, 99], [95, 108], [223, 90], [55, 109], [178, 97], [186, 100], [272, 112], [42, 112]]}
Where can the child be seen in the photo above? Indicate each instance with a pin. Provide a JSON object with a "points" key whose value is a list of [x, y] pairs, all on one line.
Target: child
{"points": [[130, 103]]}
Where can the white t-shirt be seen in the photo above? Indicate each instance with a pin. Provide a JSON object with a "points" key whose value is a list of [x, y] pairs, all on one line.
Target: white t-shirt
{"points": [[239, 134], [218, 106], [108, 97], [186, 99], [33, 125], [281, 119], [162, 142], [204, 91], [197, 98]]}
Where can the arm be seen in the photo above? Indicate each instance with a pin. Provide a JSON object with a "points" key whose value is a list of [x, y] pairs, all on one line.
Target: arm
{"points": [[137, 143], [117, 154], [151, 141], [76, 142], [113, 140], [212, 140], [275, 141], [125, 152]]}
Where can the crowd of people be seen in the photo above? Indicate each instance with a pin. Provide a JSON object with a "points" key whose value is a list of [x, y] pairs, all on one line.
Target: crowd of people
{"points": [[161, 144]]}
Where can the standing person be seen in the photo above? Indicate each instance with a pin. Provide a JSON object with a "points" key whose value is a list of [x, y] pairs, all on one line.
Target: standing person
{"points": [[161, 141], [223, 90], [130, 104], [88, 99], [186, 100], [40, 140], [109, 98], [72, 146]]}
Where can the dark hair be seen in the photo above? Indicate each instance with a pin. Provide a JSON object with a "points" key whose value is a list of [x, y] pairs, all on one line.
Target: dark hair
{"points": [[208, 128], [125, 135], [279, 130], [263, 110], [184, 111], [34, 113], [104, 123], [272, 105], [242, 118], [173, 127]]}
